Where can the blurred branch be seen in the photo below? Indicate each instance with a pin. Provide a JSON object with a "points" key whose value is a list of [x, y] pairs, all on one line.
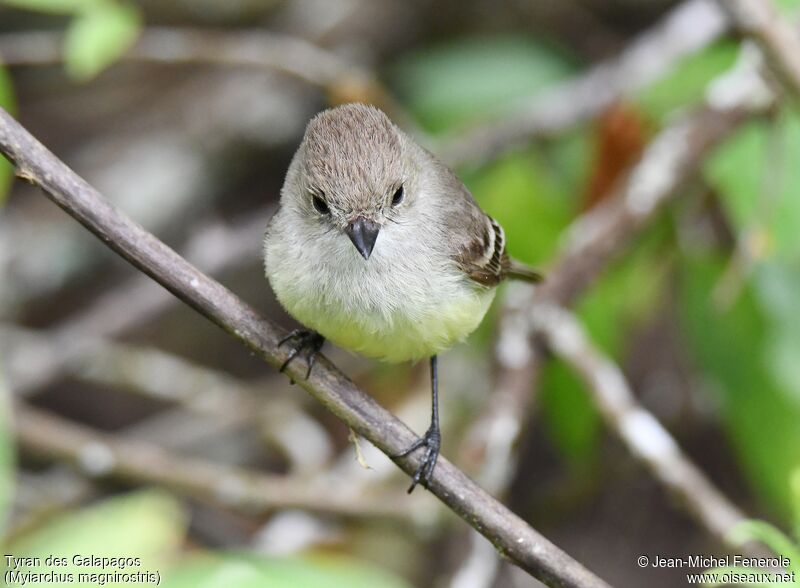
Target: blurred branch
{"points": [[685, 30], [215, 246], [103, 455], [642, 434], [229, 402], [175, 143], [590, 243], [491, 438], [669, 162], [490, 442], [510, 534], [777, 38], [291, 55], [260, 49]]}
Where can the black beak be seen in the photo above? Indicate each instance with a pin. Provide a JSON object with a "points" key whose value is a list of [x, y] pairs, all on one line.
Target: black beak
{"points": [[363, 233]]}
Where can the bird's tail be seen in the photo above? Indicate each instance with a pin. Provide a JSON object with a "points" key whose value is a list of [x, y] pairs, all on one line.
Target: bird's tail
{"points": [[520, 271]]}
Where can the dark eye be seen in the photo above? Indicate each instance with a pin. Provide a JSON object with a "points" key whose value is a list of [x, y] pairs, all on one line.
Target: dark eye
{"points": [[399, 194], [320, 205]]}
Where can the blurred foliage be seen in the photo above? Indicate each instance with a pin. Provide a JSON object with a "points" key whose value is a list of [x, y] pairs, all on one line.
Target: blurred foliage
{"points": [[466, 79], [98, 36], [6, 102], [686, 84], [151, 526], [54, 6], [745, 349], [758, 183], [536, 193], [624, 297], [244, 571], [758, 178], [748, 349], [148, 525], [771, 536], [99, 32], [731, 346]]}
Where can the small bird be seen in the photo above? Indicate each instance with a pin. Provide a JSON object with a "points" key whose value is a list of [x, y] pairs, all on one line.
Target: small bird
{"points": [[378, 247]]}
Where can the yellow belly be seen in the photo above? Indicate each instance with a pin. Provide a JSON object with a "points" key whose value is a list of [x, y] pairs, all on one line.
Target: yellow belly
{"points": [[400, 337]]}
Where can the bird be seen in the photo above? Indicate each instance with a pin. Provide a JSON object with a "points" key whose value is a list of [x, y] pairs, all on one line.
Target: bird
{"points": [[378, 247]]}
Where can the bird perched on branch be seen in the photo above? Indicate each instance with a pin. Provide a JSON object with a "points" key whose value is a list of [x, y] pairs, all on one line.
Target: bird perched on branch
{"points": [[378, 247]]}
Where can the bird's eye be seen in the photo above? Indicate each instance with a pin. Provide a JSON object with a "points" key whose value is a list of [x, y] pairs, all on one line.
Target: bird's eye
{"points": [[320, 205], [399, 194]]}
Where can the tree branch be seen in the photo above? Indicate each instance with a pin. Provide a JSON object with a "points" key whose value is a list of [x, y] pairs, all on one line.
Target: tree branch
{"points": [[510, 534], [776, 37], [102, 455], [642, 434], [260, 49], [684, 31], [666, 166]]}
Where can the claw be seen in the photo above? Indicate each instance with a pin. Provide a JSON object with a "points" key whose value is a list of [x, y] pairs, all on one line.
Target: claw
{"points": [[424, 473], [308, 343]]}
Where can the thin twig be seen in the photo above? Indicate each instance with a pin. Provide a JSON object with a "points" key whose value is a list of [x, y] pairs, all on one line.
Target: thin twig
{"points": [[101, 455], [642, 434], [777, 38], [510, 534], [684, 31], [260, 49], [666, 166], [595, 239], [214, 246], [490, 441], [227, 402], [668, 163]]}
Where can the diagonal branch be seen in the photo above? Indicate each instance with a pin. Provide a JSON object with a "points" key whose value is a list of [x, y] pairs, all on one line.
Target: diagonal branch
{"points": [[511, 535], [591, 243], [101, 455], [777, 38], [688, 28], [645, 437]]}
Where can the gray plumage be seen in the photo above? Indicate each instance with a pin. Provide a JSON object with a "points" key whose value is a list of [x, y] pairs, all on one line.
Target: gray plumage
{"points": [[436, 259]]}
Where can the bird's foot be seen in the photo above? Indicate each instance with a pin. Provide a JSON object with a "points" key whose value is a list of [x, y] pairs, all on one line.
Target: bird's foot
{"points": [[432, 440], [304, 342]]}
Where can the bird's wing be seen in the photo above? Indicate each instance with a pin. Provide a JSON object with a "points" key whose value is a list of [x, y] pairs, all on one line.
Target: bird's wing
{"points": [[476, 241], [484, 257]]}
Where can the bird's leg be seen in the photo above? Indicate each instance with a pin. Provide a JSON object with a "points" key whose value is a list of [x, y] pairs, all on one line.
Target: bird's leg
{"points": [[307, 343], [432, 439]]}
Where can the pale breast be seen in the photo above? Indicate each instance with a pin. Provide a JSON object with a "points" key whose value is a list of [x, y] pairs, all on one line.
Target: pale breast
{"points": [[403, 303]]}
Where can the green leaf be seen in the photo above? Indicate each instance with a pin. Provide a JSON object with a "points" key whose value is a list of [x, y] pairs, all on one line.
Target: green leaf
{"points": [[54, 6], [788, 6], [532, 195], [770, 536], [776, 285], [760, 417], [98, 36], [149, 525], [7, 102], [469, 78], [624, 296], [569, 415], [759, 185], [686, 84], [246, 571], [795, 490]]}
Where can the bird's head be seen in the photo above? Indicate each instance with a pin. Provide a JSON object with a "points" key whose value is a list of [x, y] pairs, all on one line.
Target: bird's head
{"points": [[352, 174]]}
